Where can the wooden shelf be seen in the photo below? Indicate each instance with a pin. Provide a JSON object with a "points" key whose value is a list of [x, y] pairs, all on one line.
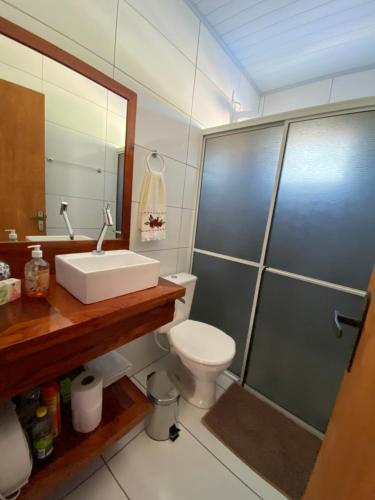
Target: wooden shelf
{"points": [[124, 406], [43, 338]]}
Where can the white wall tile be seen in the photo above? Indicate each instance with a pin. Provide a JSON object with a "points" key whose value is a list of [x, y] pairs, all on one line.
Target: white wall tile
{"points": [[183, 260], [116, 129], [190, 190], [174, 177], [187, 226], [83, 213], [304, 96], [195, 144], [216, 64], [89, 232], [172, 227], [111, 158], [175, 20], [14, 75], [91, 23], [247, 96], [142, 351], [69, 110], [67, 79], [353, 86], [73, 180], [159, 125], [64, 144], [144, 53], [110, 189], [18, 55], [167, 258], [55, 37], [210, 105], [117, 104]]}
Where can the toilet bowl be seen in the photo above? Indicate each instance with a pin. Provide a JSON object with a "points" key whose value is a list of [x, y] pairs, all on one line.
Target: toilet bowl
{"points": [[201, 351]]}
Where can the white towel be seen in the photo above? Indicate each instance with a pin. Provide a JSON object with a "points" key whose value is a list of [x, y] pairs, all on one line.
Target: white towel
{"points": [[152, 214]]}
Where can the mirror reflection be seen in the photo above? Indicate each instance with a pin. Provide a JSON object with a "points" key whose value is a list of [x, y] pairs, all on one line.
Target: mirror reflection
{"points": [[62, 140]]}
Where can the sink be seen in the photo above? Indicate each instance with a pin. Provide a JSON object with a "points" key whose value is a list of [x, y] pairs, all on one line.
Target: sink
{"points": [[91, 278], [58, 237]]}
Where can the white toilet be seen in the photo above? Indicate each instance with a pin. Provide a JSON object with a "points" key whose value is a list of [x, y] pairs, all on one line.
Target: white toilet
{"points": [[202, 352]]}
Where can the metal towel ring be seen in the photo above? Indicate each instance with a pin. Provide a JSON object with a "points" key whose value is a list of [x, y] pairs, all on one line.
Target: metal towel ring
{"points": [[155, 154]]}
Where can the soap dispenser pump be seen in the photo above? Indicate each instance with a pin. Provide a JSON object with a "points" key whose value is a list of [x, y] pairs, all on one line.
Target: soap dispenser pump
{"points": [[36, 274]]}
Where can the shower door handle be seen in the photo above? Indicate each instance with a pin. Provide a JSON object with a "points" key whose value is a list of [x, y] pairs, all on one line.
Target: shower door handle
{"points": [[340, 319]]}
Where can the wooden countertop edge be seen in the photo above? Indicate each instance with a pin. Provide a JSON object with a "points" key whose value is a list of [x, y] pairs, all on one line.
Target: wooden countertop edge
{"points": [[112, 315]]}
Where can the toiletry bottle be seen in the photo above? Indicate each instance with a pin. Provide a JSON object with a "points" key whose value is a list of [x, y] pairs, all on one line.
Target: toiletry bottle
{"points": [[51, 399], [36, 274], [42, 434]]}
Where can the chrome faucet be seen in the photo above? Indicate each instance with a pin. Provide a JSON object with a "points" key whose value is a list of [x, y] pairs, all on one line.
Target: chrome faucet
{"points": [[64, 213], [107, 223]]}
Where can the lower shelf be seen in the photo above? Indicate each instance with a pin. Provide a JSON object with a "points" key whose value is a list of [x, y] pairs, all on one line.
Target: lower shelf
{"points": [[124, 406]]}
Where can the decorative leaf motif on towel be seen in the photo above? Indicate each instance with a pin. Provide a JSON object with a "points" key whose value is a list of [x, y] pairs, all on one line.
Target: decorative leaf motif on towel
{"points": [[154, 222]]}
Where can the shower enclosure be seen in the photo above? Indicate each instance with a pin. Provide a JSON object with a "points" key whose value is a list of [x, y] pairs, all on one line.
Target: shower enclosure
{"points": [[285, 236]]}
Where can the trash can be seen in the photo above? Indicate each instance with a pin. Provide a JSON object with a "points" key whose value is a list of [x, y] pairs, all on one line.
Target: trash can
{"points": [[161, 424]]}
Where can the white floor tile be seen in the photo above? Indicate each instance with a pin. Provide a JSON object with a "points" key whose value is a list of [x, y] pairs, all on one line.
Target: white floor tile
{"points": [[101, 485], [149, 469], [190, 417]]}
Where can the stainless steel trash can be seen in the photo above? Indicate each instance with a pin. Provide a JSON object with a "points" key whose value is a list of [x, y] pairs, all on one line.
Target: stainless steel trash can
{"points": [[161, 424]]}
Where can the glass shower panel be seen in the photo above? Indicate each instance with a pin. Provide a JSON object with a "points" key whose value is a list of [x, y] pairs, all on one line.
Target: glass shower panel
{"points": [[223, 298], [237, 184], [296, 360], [324, 221]]}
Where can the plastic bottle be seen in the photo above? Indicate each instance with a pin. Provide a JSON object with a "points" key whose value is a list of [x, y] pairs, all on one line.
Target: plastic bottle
{"points": [[36, 274], [42, 434], [51, 399]]}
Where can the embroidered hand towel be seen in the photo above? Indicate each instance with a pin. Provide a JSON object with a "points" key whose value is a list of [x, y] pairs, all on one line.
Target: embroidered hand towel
{"points": [[152, 214]]}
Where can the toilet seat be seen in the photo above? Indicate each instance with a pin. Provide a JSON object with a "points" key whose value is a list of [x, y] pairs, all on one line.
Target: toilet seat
{"points": [[202, 343]]}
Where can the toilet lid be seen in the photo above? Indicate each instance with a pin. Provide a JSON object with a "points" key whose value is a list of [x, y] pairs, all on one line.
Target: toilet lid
{"points": [[202, 343]]}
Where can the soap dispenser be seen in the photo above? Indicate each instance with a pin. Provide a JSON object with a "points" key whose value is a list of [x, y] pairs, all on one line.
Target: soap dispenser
{"points": [[12, 234], [36, 274]]}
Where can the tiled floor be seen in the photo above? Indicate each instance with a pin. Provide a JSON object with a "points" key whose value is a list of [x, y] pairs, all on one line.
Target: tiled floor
{"points": [[195, 467]]}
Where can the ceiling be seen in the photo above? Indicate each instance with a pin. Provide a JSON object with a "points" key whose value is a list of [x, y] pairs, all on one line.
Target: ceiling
{"points": [[285, 42]]}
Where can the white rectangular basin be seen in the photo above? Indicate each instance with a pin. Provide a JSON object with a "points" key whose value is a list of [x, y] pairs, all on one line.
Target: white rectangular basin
{"points": [[57, 237], [91, 278]]}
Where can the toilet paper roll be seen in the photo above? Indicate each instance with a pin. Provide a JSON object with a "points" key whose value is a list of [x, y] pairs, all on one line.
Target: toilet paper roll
{"points": [[87, 397], [87, 420]]}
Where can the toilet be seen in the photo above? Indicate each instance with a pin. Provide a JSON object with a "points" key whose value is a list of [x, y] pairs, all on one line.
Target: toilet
{"points": [[201, 351]]}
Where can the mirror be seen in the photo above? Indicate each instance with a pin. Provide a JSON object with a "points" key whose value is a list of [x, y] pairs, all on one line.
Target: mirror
{"points": [[62, 150]]}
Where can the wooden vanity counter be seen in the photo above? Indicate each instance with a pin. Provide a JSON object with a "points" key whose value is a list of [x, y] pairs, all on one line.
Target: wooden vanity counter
{"points": [[43, 338]]}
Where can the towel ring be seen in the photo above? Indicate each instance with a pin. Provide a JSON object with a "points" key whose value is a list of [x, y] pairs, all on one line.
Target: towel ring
{"points": [[155, 154]]}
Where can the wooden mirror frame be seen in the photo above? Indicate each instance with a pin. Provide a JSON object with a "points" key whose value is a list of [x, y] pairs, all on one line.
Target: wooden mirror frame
{"points": [[16, 253]]}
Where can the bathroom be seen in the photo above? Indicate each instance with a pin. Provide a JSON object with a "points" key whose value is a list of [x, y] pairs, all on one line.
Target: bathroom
{"points": [[260, 117]]}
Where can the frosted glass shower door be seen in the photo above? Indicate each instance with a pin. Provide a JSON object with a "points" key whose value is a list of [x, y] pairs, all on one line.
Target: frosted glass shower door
{"points": [[237, 184], [320, 255]]}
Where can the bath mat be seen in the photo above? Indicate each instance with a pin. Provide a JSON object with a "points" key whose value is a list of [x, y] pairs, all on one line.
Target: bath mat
{"points": [[275, 447]]}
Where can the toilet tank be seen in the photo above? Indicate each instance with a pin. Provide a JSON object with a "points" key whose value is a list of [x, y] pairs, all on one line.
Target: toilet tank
{"points": [[182, 309]]}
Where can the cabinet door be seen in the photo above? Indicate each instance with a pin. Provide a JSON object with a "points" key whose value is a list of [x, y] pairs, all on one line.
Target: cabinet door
{"points": [[324, 223], [223, 298], [296, 360], [237, 184]]}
